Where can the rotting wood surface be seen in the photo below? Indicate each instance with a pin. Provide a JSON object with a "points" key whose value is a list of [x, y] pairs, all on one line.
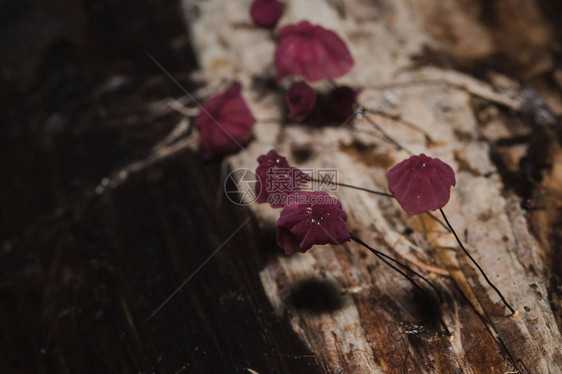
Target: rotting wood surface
{"points": [[375, 324]]}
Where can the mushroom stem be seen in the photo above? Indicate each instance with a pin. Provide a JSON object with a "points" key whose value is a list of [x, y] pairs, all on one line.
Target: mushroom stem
{"points": [[374, 192], [476, 264], [384, 133], [436, 219], [330, 182], [406, 123], [386, 259]]}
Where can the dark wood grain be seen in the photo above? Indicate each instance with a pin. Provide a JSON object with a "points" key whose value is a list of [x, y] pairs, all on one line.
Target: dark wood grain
{"points": [[81, 272]]}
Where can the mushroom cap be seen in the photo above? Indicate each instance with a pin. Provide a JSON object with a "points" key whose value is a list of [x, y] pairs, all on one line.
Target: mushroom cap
{"points": [[421, 183], [223, 118], [266, 13], [309, 218], [311, 51], [300, 99], [277, 179], [340, 103]]}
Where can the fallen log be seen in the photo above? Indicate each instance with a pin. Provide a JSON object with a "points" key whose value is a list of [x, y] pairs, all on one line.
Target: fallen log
{"points": [[354, 314]]}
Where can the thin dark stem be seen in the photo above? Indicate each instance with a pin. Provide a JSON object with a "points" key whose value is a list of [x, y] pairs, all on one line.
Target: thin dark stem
{"points": [[375, 192], [385, 134], [436, 219], [476, 264], [381, 256], [406, 123], [379, 253], [354, 187]]}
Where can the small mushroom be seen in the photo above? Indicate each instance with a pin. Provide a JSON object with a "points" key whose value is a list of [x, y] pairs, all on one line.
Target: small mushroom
{"points": [[225, 123], [300, 99], [266, 13], [312, 52], [421, 183]]}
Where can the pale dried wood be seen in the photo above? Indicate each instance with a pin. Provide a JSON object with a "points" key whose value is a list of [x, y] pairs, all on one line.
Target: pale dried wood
{"points": [[377, 326]]}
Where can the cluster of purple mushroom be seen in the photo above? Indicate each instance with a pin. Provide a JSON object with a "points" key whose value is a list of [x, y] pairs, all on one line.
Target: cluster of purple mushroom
{"points": [[312, 53], [308, 52], [419, 184]]}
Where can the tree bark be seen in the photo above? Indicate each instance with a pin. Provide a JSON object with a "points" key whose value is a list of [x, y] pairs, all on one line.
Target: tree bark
{"points": [[357, 315]]}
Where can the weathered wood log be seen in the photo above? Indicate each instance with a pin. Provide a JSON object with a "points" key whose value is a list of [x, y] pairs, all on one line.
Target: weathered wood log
{"points": [[353, 313], [107, 209]]}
